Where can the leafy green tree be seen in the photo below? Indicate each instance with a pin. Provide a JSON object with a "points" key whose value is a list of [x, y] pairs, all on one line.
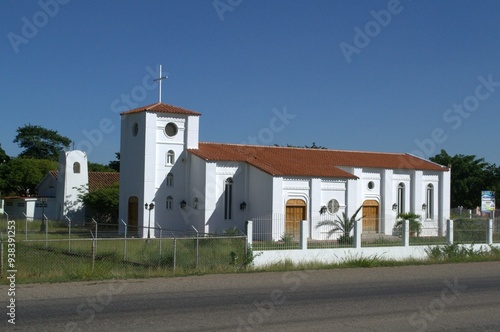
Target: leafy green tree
{"points": [[115, 164], [344, 225], [95, 167], [40, 143], [102, 204], [20, 176], [469, 175], [3, 156]]}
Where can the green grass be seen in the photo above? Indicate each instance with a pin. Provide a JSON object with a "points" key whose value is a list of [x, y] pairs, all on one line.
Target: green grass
{"points": [[38, 261]]}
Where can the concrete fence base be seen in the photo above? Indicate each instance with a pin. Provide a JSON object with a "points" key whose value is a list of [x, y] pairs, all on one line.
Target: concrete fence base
{"points": [[338, 255]]}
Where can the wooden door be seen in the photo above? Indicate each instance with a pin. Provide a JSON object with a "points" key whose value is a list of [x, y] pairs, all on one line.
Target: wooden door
{"points": [[133, 216], [370, 216], [295, 213]]}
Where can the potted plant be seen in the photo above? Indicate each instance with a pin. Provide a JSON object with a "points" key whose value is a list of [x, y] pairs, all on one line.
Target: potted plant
{"points": [[414, 222]]}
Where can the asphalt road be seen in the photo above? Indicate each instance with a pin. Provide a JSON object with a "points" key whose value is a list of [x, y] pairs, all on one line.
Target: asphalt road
{"points": [[451, 297]]}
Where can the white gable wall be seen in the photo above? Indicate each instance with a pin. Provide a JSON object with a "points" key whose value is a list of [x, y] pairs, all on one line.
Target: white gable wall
{"points": [[329, 189], [132, 166], [192, 132], [72, 177]]}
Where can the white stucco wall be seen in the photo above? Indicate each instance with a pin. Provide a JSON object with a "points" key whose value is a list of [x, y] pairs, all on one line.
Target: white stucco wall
{"points": [[132, 165], [69, 185]]}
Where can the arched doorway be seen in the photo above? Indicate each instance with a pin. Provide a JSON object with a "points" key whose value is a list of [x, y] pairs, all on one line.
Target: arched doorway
{"points": [[295, 213], [133, 215], [370, 216]]}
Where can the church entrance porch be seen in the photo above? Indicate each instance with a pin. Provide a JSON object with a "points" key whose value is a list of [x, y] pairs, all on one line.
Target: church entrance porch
{"points": [[295, 213], [370, 214]]}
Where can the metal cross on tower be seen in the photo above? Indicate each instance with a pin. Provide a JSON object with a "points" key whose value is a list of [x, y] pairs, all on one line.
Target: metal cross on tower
{"points": [[159, 79]]}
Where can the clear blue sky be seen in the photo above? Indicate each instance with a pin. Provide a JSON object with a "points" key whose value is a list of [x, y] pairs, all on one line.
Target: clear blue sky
{"points": [[390, 76]]}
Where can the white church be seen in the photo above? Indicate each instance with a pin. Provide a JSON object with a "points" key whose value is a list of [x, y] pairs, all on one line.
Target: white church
{"points": [[171, 180]]}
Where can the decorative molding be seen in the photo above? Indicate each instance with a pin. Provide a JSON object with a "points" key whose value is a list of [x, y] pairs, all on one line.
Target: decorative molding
{"points": [[430, 178], [333, 189], [296, 188], [401, 177], [226, 169], [370, 176]]}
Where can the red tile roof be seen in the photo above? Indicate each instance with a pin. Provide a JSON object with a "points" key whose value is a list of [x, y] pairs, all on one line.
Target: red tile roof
{"points": [[309, 162], [98, 180], [162, 108]]}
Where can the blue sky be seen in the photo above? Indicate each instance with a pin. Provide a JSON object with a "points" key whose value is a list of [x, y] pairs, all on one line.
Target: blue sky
{"points": [[391, 76]]}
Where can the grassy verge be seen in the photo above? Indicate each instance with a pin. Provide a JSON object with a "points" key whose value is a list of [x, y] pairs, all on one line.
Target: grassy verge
{"points": [[38, 261], [39, 264], [436, 255]]}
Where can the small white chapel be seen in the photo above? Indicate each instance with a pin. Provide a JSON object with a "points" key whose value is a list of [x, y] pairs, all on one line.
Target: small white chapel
{"points": [[171, 180]]}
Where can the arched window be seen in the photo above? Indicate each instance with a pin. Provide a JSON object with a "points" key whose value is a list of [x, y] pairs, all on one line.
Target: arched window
{"points": [[195, 203], [170, 180], [429, 200], [76, 167], [401, 198], [169, 203], [170, 158], [228, 198]]}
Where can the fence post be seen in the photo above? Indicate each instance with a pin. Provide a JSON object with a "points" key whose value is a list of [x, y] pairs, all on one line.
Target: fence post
{"points": [[6, 222], [303, 235], [249, 240], [95, 234], [489, 231], [358, 228], [197, 246], [249, 232], [124, 241], [175, 250], [159, 259], [26, 226], [93, 250], [46, 230], [449, 231], [69, 235], [406, 233], [1, 254]]}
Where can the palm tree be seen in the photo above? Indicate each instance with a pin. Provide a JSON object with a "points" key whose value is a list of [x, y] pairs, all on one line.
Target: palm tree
{"points": [[344, 225], [413, 220]]}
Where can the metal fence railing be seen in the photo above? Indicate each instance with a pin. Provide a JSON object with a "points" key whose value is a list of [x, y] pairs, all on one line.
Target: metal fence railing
{"points": [[274, 233], [99, 248]]}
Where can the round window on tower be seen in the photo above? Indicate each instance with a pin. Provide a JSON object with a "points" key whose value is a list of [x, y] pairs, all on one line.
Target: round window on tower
{"points": [[171, 129], [333, 206], [135, 129]]}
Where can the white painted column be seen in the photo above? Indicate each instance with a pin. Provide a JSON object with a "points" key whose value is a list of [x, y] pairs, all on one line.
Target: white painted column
{"points": [[449, 231], [489, 231], [358, 229], [444, 202], [388, 198], [417, 198], [406, 233], [149, 174], [315, 206], [250, 232]]}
